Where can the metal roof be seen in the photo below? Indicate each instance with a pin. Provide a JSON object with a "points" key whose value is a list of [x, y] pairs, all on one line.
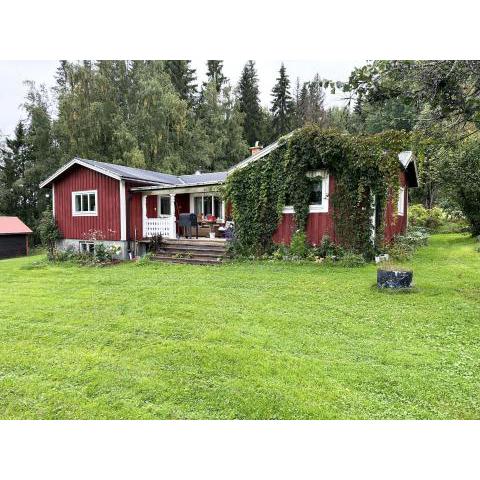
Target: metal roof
{"points": [[214, 177], [120, 172], [130, 173], [12, 225]]}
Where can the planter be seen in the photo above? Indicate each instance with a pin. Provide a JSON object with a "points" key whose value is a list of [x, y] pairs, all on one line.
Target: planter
{"points": [[394, 279]]}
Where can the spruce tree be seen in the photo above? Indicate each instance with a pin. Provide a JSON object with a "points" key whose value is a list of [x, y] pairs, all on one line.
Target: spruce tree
{"points": [[309, 107], [183, 79], [13, 162], [249, 103], [282, 105], [215, 73]]}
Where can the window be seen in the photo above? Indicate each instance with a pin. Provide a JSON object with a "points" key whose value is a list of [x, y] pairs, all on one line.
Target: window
{"points": [[316, 197], [318, 200], [401, 201], [164, 205], [87, 247], [207, 205], [84, 203]]}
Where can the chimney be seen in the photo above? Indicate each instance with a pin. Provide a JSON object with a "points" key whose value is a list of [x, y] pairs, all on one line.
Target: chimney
{"points": [[255, 149]]}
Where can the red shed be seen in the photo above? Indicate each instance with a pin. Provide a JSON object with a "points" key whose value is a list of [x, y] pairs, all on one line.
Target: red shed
{"points": [[13, 237]]}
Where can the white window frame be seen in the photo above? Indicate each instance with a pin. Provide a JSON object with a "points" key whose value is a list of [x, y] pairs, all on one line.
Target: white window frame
{"points": [[87, 247], [89, 213], [316, 208], [160, 214], [209, 194], [401, 202]]}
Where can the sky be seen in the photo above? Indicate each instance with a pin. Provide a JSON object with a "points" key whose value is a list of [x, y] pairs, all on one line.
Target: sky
{"points": [[13, 74]]}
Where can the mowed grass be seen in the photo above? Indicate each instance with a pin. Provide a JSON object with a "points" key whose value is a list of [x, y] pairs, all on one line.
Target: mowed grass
{"points": [[241, 341]]}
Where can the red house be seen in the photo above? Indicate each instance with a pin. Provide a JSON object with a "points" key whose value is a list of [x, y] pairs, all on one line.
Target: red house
{"points": [[124, 206]]}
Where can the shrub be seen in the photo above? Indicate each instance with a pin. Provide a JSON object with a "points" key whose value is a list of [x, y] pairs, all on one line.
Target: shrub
{"points": [[328, 249], [145, 260], [155, 244], [432, 218], [48, 231], [281, 252], [298, 246], [403, 247], [102, 255]]}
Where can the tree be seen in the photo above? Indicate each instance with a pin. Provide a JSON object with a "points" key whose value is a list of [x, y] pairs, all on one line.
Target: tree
{"points": [[183, 79], [309, 106], [461, 174], [450, 87], [48, 231], [282, 105], [27, 158], [215, 74], [249, 104], [222, 123], [124, 112], [13, 162]]}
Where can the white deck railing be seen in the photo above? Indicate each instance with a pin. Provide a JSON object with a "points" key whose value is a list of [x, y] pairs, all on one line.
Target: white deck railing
{"points": [[164, 226]]}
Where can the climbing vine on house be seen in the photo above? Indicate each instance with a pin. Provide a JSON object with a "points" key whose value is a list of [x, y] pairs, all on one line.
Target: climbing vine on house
{"points": [[361, 165]]}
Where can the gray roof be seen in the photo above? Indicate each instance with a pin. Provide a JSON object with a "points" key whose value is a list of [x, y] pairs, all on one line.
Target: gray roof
{"points": [[407, 159], [130, 173], [214, 177], [158, 177]]}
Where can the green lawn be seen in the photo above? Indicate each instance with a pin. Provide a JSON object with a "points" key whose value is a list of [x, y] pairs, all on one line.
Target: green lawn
{"points": [[242, 340]]}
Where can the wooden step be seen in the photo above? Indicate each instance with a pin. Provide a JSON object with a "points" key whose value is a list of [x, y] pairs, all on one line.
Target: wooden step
{"points": [[197, 252], [192, 260], [194, 250], [192, 242]]}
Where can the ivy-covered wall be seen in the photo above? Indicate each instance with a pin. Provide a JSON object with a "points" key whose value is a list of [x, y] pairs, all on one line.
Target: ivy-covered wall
{"points": [[361, 165]]}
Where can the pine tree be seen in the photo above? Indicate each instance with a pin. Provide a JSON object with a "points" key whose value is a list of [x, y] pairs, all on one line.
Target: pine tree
{"points": [[249, 103], [183, 79], [282, 105], [215, 73], [13, 162]]}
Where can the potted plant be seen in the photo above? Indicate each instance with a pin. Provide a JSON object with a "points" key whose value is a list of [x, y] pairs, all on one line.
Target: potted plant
{"points": [[393, 276]]}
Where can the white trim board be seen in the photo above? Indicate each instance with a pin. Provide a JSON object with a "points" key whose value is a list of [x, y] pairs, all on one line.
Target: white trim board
{"points": [[77, 161], [123, 211]]}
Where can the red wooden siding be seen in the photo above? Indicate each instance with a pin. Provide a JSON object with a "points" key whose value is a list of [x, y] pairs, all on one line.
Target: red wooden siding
{"points": [[182, 203], [318, 224], [134, 214], [152, 206], [396, 224], [107, 221]]}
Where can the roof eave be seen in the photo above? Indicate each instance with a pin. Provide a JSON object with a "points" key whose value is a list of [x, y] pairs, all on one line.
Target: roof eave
{"points": [[77, 161], [178, 185]]}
